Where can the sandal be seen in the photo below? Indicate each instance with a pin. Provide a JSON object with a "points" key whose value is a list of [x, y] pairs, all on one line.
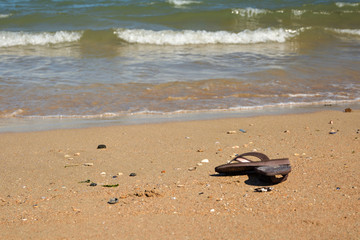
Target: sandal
{"points": [[270, 170]]}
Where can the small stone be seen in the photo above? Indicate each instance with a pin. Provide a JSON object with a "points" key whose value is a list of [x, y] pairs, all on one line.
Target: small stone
{"points": [[332, 131], [212, 210], [205, 160], [70, 158], [331, 122], [231, 132], [132, 174], [120, 174], [200, 150], [235, 147], [287, 131], [347, 110], [93, 184], [163, 171], [263, 189], [66, 156], [113, 200], [88, 164], [242, 130], [76, 154], [101, 146], [114, 176], [192, 169], [103, 173], [199, 164]]}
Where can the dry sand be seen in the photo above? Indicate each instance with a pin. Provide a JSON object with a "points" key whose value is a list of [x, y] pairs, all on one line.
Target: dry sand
{"points": [[40, 198]]}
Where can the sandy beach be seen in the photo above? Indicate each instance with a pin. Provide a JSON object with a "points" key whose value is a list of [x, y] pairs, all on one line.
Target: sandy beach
{"points": [[45, 190]]}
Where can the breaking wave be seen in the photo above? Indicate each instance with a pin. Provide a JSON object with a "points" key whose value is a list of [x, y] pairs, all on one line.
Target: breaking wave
{"points": [[9, 39], [186, 37]]}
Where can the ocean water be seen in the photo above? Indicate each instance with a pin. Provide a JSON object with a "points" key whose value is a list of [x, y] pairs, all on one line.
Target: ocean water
{"points": [[115, 61]]}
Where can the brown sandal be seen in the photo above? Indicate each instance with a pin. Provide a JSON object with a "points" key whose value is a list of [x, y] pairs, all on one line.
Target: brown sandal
{"points": [[271, 170]]}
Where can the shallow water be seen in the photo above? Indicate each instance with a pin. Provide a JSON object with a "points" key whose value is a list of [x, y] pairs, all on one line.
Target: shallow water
{"points": [[107, 61]]}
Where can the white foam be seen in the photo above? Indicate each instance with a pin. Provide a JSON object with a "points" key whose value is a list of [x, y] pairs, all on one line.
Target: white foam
{"points": [[5, 15], [169, 37], [248, 12], [180, 3], [345, 31], [297, 12], [14, 114], [344, 4], [9, 39]]}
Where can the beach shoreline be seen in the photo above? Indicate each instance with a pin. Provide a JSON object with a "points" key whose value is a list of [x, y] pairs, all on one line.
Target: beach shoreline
{"points": [[48, 123], [176, 193]]}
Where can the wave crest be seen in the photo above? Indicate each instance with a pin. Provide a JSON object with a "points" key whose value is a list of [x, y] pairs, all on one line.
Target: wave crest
{"points": [[187, 37], [10, 39]]}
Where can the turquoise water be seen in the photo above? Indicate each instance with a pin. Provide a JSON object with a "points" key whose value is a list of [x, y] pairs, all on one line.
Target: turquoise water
{"points": [[113, 60]]}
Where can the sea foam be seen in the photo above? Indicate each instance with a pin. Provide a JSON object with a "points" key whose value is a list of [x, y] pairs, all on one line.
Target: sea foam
{"points": [[248, 12], [9, 39], [345, 31], [180, 3], [344, 4], [186, 37], [5, 15]]}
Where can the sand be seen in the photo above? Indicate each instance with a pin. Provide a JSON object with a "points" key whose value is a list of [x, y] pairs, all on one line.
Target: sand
{"points": [[42, 197]]}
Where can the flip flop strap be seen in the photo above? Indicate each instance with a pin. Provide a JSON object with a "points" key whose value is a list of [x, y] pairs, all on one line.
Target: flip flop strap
{"points": [[260, 156]]}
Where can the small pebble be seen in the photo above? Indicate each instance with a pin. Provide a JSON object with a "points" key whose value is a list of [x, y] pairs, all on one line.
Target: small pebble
{"points": [[263, 189], [212, 210], [192, 169], [199, 164], [93, 184], [132, 174], [331, 122], [231, 132], [76, 154], [332, 131], [66, 156], [120, 174], [101, 146], [205, 160], [114, 176], [103, 173], [113, 200], [88, 164], [347, 110], [287, 131], [242, 130]]}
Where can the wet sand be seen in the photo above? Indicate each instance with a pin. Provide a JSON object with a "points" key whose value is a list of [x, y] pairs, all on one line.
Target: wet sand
{"points": [[44, 193]]}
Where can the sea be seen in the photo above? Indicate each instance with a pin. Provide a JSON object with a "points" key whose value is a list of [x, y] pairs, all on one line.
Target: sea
{"points": [[80, 63]]}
